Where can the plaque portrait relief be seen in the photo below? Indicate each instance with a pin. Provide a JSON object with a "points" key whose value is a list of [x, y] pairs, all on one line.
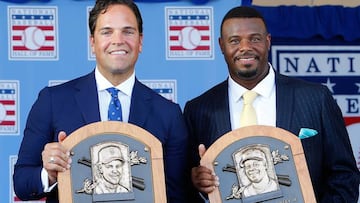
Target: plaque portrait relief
{"points": [[113, 162], [255, 170], [111, 169], [259, 164]]}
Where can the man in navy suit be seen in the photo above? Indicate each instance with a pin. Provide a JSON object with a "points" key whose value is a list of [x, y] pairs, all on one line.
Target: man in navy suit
{"points": [[116, 39], [284, 102]]}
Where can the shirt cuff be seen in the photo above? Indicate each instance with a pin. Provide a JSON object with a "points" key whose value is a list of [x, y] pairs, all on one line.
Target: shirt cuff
{"points": [[204, 198], [45, 181]]}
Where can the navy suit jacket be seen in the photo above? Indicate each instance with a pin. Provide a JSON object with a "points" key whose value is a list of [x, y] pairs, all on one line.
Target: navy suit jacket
{"points": [[299, 104], [74, 104]]}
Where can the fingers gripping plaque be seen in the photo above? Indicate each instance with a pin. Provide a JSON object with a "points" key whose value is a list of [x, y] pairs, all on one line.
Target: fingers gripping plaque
{"points": [[113, 162]]}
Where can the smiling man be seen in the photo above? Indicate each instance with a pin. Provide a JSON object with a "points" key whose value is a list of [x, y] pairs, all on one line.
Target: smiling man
{"points": [[281, 101], [116, 39]]}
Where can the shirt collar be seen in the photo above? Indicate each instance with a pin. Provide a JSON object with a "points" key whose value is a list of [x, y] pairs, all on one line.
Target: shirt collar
{"points": [[125, 87], [263, 88]]}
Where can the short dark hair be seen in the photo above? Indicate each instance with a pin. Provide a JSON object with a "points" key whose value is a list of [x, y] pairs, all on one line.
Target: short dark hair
{"points": [[102, 5], [242, 12]]}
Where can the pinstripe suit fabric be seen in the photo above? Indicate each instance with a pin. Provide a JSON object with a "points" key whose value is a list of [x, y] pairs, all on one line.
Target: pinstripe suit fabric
{"points": [[299, 104]]}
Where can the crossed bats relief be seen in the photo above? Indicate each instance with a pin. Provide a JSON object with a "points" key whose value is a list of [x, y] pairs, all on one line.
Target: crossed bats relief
{"points": [[137, 182]]}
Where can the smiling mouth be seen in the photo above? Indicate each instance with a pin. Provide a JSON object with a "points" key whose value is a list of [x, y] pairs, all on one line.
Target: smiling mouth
{"points": [[121, 52], [238, 58]]}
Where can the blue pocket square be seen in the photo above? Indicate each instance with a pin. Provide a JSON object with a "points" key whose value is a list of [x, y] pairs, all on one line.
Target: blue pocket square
{"points": [[307, 132]]}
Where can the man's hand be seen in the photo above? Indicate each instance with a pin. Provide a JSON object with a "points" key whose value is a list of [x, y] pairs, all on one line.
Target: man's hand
{"points": [[203, 178], [56, 158]]}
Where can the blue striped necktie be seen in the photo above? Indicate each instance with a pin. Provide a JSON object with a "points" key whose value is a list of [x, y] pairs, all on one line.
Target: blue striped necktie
{"points": [[114, 113]]}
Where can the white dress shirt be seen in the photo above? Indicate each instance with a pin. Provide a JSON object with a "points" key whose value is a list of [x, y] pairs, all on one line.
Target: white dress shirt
{"points": [[104, 96], [264, 104]]}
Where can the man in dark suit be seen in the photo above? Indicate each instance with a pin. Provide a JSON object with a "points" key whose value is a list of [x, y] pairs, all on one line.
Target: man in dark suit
{"points": [[116, 39], [284, 102]]}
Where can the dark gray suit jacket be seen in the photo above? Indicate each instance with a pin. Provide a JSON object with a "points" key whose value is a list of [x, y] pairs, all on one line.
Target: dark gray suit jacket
{"points": [[299, 104]]}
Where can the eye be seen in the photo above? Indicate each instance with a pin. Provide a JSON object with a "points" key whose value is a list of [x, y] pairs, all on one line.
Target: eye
{"points": [[129, 31], [234, 41], [105, 32], [256, 38]]}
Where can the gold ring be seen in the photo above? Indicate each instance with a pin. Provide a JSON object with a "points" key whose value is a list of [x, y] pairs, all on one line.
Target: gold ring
{"points": [[52, 160]]}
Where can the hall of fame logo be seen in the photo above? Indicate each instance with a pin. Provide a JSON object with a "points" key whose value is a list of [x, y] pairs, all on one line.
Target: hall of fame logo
{"points": [[189, 33], [33, 33], [9, 107], [337, 67], [166, 88]]}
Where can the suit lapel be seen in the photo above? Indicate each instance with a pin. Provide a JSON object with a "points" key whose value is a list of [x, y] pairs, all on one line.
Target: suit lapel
{"points": [[284, 101], [221, 110], [140, 104], [87, 98]]}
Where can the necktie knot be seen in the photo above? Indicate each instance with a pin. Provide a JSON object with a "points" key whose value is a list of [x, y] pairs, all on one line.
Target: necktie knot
{"points": [[249, 97], [115, 112], [113, 91]]}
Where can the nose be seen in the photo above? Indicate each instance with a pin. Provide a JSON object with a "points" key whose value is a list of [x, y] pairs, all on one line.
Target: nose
{"points": [[117, 38], [245, 45]]}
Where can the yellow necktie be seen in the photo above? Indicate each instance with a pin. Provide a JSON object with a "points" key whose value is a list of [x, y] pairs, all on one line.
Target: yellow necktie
{"points": [[248, 114]]}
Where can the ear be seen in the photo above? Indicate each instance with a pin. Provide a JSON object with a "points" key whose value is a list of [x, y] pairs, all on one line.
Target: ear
{"points": [[141, 42], [92, 42], [268, 39], [99, 168], [221, 44]]}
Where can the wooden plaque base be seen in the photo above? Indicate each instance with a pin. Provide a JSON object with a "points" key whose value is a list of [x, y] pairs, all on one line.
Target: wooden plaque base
{"points": [[228, 155], [143, 158]]}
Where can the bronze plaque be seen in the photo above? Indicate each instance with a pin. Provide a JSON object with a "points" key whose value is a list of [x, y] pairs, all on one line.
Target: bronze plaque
{"points": [[259, 164], [113, 162]]}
